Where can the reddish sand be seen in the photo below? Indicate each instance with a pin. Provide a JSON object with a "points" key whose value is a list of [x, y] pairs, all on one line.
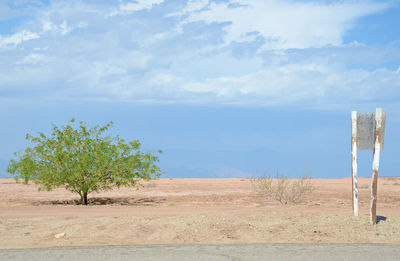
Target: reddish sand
{"points": [[195, 211]]}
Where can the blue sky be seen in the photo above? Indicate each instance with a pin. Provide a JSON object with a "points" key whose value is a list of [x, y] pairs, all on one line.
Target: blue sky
{"points": [[225, 88]]}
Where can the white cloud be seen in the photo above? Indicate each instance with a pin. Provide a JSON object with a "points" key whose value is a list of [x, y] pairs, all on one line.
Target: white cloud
{"points": [[300, 84], [81, 53], [82, 25], [47, 26], [163, 79], [17, 38], [64, 28], [191, 6], [32, 59], [59, 28], [139, 5], [285, 24]]}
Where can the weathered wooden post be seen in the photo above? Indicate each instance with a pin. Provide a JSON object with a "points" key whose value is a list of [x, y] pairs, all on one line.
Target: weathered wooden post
{"points": [[378, 136], [354, 161], [367, 133]]}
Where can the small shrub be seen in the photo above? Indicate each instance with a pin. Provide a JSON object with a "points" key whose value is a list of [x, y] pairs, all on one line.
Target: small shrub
{"points": [[151, 185], [282, 189], [391, 178]]}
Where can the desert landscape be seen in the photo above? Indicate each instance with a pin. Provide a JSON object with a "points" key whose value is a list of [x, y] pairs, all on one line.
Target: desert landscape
{"points": [[184, 211]]}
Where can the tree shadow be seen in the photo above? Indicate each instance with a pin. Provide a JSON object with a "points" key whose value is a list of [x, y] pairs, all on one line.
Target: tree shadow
{"points": [[117, 201], [380, 218]]}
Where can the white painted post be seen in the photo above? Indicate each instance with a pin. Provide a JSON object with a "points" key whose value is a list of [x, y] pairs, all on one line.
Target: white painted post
{"points": [[375, 165], [354, 161]]}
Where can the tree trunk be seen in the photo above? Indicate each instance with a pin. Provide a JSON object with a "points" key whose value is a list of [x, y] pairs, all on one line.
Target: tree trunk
{"points": [[84, 200]]}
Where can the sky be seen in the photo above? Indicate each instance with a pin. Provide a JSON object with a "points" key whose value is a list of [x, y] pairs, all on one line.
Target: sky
{"points": [[226, 88]]}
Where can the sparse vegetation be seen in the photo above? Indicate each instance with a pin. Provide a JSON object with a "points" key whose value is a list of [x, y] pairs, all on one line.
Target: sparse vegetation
{"points": [[282, 189], [151, 185], [391, 178]]}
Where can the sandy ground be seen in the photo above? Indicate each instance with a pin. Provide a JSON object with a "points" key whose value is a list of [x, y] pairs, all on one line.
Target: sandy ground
{"points": [[185, 211]]}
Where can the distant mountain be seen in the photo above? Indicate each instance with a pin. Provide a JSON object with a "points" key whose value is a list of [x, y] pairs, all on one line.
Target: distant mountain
{"points": [[181, 163]]}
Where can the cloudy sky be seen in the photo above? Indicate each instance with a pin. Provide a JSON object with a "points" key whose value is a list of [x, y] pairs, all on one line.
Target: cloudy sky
{"points": [[226, 88]]}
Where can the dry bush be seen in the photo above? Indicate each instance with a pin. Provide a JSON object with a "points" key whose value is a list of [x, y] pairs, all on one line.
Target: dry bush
{"points": [[391, 178], [151, 185], [282, 189]]}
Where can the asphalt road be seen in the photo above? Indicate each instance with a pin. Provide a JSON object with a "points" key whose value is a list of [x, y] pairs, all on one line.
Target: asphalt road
{"points": [[237, 252]]}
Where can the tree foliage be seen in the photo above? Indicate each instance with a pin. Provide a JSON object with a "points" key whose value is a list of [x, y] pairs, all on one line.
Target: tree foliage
{"points": [[83, 160]]}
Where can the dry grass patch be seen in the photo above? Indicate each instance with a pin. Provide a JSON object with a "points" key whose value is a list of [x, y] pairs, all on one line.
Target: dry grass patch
{"points": [[282, 189]]}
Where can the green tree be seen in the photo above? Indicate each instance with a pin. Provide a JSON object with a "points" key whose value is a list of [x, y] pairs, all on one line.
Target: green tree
{"points": [[83, 160]]}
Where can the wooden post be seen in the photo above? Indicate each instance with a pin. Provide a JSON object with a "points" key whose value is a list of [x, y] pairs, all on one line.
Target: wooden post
{"points": [[354, 161], [375, 165]]}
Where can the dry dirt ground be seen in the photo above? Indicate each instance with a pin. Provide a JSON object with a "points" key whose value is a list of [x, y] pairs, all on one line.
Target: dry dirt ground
{"points": [[185, 211]]}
